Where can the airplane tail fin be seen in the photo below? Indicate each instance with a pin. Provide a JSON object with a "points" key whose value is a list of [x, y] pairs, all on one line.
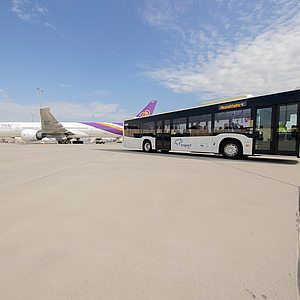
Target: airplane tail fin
{"points": [[148, 110]]}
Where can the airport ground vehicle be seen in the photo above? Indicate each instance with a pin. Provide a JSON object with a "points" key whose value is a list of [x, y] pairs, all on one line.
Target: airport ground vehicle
{"points": [[234, 127], [99, 141]]}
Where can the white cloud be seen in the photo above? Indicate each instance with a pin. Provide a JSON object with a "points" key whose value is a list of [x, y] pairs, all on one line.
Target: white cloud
{"points": [[3, 95], [11, 111], [163, 14], [40, 9], [67, 86], [49, 25], [261, 58], [100, 93], [28, 10], [63, 111], [31, 11], [20, 7], [77, 111]]}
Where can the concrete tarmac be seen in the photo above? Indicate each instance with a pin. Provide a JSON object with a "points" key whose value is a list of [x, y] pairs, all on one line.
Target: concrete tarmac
{"points": [[104, 222]]}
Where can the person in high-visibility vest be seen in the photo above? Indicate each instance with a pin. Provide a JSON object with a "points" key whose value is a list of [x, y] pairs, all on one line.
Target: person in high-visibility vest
{"points": [[282, 128]]}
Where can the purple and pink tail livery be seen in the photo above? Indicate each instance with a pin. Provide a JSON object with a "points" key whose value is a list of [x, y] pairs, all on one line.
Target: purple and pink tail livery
{"points": [[148, 110]]}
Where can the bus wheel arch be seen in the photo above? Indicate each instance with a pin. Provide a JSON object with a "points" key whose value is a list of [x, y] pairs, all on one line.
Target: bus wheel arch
{"points": [[231, 148], [147, 146]]}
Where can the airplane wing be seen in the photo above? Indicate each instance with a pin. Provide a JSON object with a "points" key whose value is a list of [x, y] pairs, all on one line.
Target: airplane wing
{"points": [[51, 126]]}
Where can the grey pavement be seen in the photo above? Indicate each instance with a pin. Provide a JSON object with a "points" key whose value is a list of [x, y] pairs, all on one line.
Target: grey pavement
{"points": [[103, 222]]}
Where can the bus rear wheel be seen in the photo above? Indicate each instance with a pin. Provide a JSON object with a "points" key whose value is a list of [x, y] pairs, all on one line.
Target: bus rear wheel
{"points": [[147, 147], [231, 149]]}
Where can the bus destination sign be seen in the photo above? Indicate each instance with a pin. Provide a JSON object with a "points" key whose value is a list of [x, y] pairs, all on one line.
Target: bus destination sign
{"points": [[233, 105]]}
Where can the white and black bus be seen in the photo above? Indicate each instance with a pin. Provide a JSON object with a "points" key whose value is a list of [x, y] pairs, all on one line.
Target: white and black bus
{"points": [[233, 127]]}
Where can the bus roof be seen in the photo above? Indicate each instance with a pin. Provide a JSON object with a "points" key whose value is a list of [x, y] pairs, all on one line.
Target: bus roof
{"points": [[213, 102], [225, 100]]}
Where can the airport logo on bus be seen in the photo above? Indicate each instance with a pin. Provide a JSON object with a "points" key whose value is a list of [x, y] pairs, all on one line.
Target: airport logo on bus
{"points": [[179, 142]]}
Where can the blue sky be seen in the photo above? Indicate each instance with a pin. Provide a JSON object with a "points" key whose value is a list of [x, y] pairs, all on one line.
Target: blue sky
{"points": [[110, 58]]}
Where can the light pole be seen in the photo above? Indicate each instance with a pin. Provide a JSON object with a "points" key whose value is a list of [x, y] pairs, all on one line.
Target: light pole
{"points": [[93, 118], [41, 91], [32, 117]]}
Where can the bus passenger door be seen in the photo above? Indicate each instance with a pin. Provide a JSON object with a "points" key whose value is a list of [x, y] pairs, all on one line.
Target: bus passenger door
{"points": [[163, 132], [263, 130], [287, 130], [277, 130]]}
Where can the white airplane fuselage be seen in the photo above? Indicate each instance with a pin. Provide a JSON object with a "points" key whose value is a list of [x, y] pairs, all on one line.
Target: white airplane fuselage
{"points": [[65, 131], [80, 130]]}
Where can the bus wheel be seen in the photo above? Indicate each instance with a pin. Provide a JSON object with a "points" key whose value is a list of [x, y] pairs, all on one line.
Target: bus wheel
{"points": [[147, 147], [231, 149]]}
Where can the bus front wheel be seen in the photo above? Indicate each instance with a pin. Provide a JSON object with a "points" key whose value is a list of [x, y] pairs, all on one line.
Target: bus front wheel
{"points": [[231, 149], [147, 147]]}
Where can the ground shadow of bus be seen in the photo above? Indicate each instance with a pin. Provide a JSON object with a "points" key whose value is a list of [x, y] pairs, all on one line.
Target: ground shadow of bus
{"points": [[284, 160]]}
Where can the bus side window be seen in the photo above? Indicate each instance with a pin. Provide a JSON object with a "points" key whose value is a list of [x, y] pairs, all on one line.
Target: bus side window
{"points": [[179, 127], [238, 121], [132, 129], [200, 125], [148, 128]]}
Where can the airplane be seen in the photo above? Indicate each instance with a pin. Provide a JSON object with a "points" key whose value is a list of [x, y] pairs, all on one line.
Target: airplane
{"points": [[64, 132]]}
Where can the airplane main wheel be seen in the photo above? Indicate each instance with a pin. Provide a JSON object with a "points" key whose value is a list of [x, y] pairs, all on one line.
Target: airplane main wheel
{"points": [[147, 147]]}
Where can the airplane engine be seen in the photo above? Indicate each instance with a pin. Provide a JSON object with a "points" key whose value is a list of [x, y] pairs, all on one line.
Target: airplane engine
{"points": [[40, 135], [32, 135]]}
